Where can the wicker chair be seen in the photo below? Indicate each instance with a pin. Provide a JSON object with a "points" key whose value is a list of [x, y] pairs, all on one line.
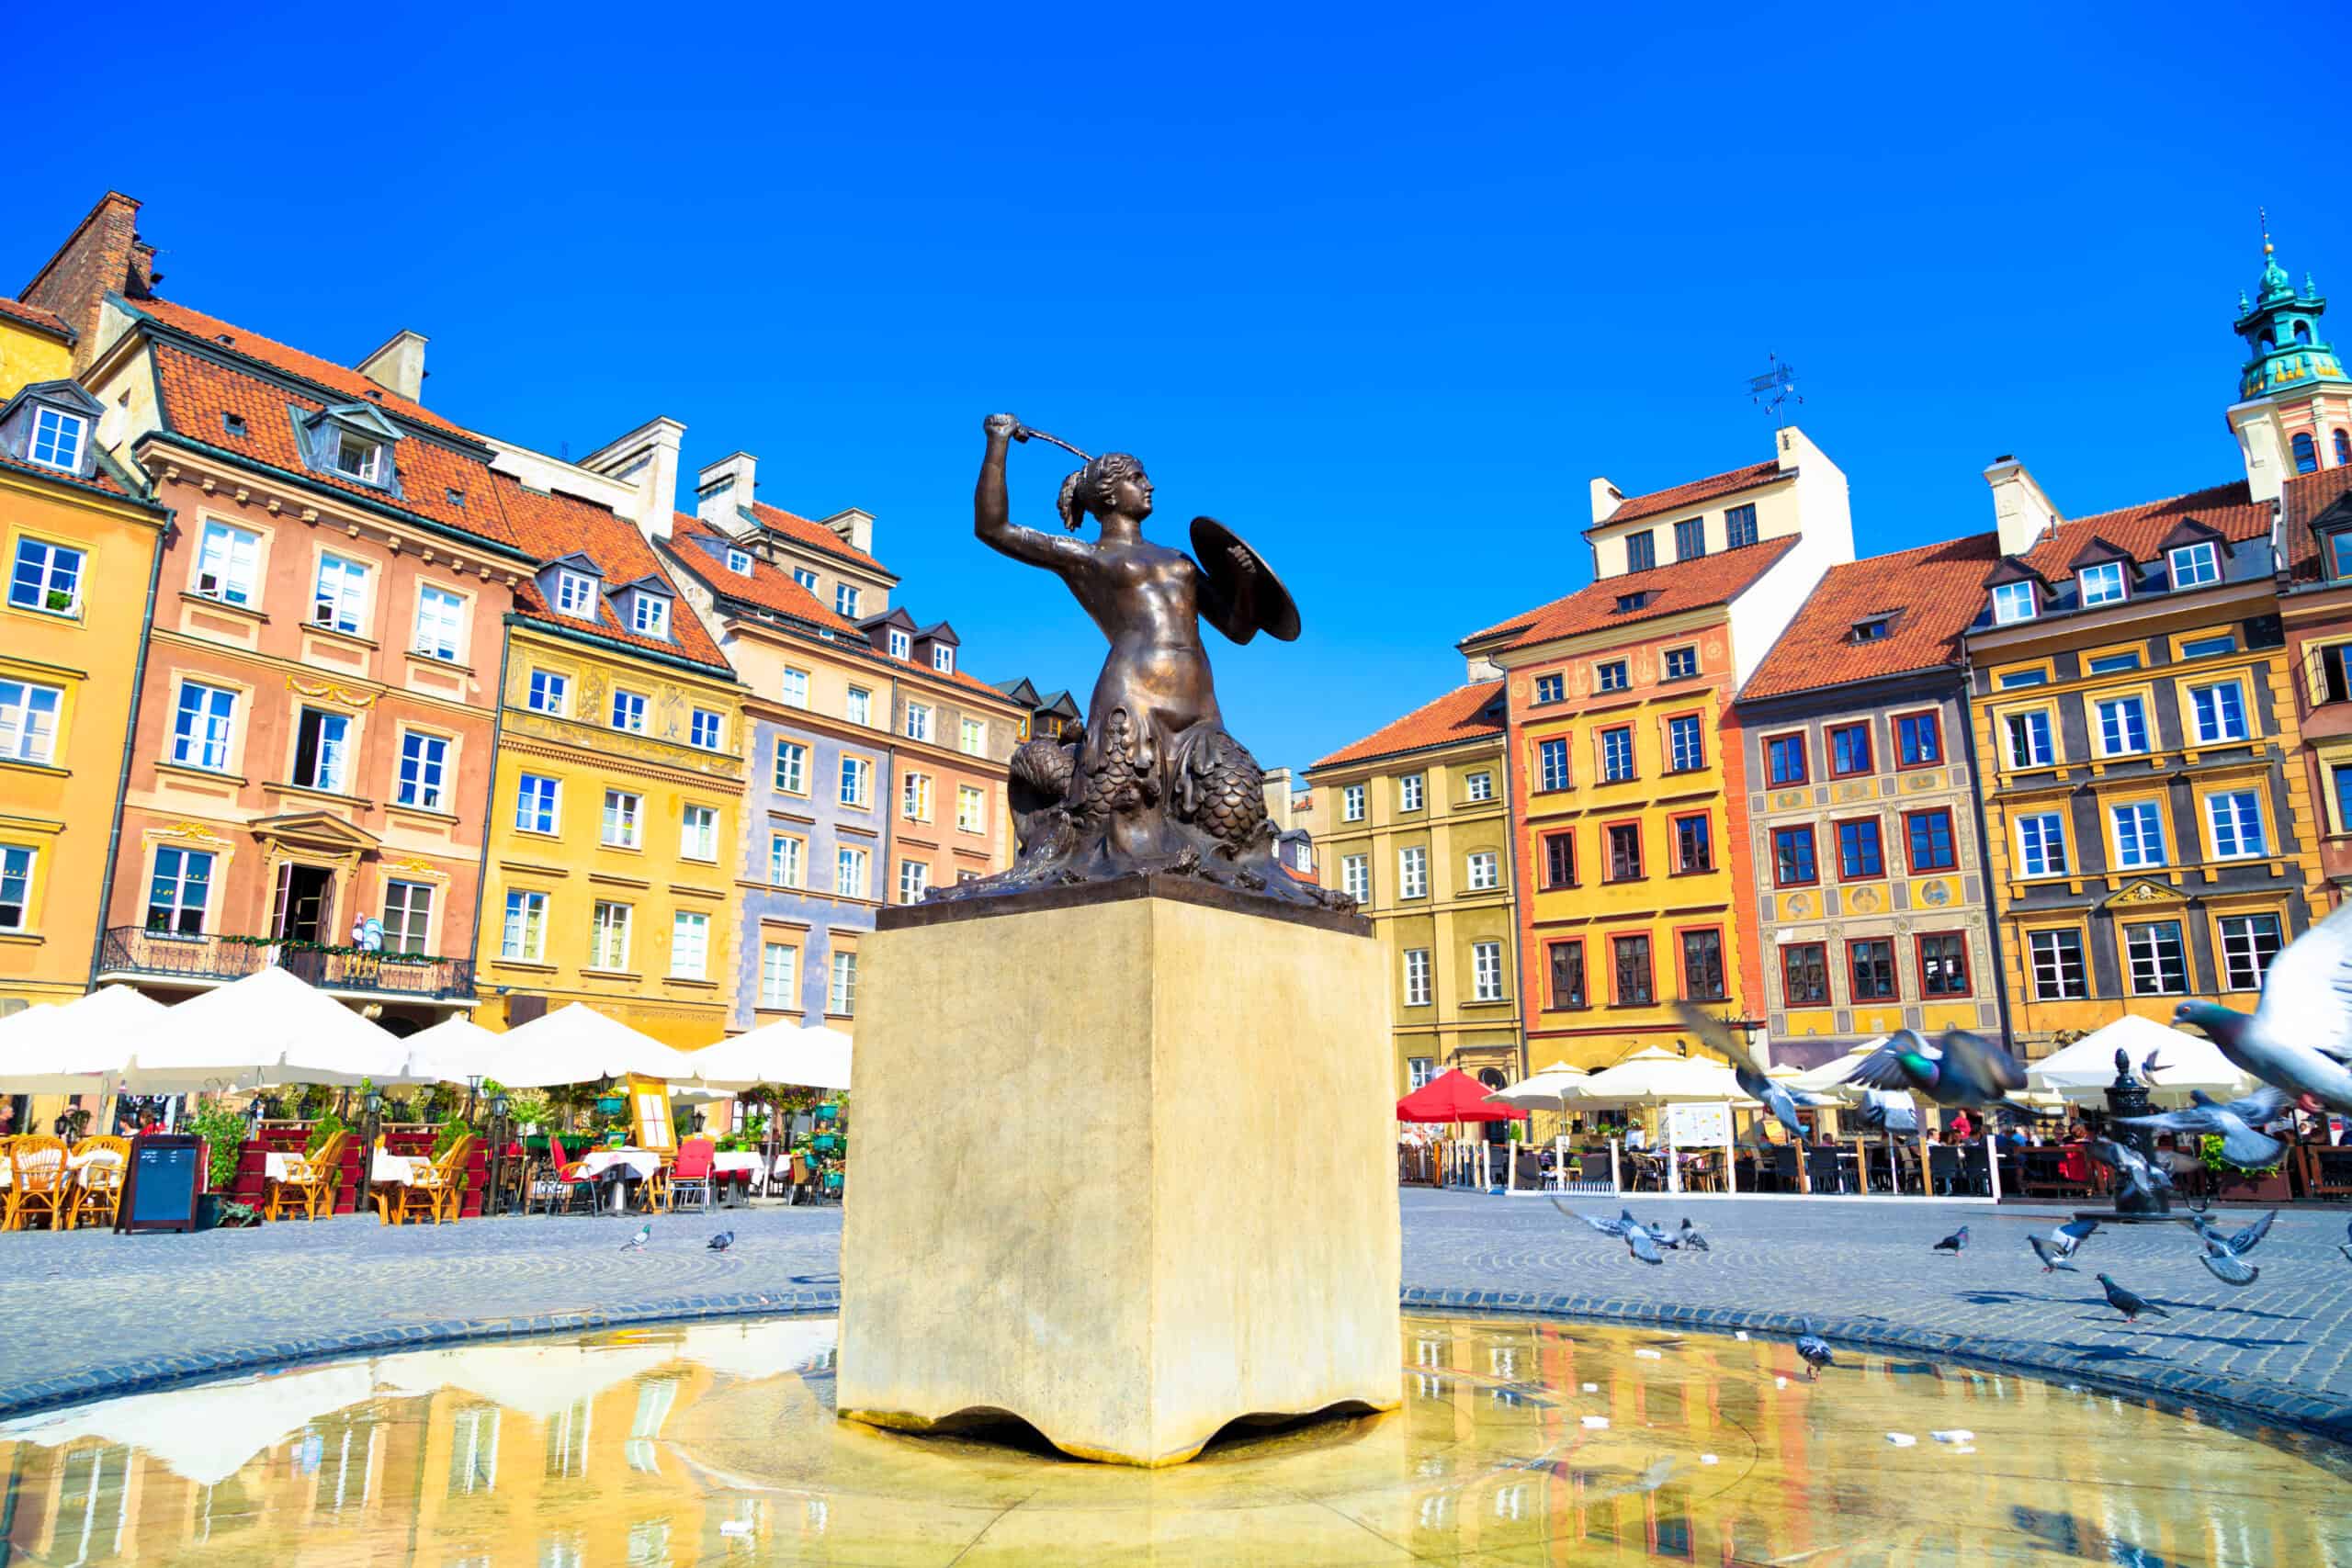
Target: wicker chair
{"points": [[439, 1189], [38, 1184], [96, 1193], [309, 1181]]}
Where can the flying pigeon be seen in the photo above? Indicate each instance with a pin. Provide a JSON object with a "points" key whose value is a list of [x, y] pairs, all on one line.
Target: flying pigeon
{"points": [[2241, 1243], [1777, 1098], [2239, 1123], [1606, 1227], [722, 1241], [1955, 1244], [2069, 1237], [2300, 1037], [1690, 1237], [637, 1242], [1644, 1246], [2227, 1266], [2149, 1065], [2129, 1305], [2140, 1178], [1960, 1069], [2051, 1257], [1813, 1350]]}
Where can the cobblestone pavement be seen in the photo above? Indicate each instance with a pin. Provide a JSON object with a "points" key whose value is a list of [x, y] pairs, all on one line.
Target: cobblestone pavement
{"points": [[87, 1311]]}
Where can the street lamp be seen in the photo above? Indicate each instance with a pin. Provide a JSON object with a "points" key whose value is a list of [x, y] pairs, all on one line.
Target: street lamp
{"points": [[368, 1133], [473, 1088], [494, 1200]]}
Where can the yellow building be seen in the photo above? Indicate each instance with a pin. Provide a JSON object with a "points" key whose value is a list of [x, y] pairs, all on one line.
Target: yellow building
{"points": [[82, 538], [1415, 827], [615, 815]]}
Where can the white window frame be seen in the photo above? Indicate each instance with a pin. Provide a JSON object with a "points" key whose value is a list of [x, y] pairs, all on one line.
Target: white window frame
{"points": [[2012, 603], [400, 920], [919, 721], [787, 861], [853, 871], [551, 799], [1416, 977], [2106, 581], [2156, 958], [575, 594], [914, 798], [943, 658], [901, 644], [330, 766], [228, 563], [1551, 750], [369, 469], [791, 770], [914, 880], [522, 936], [1413, 871], [2203, 564], [46, 575], [2111, 742], [739, 561], [1484, 871], [1412, 792], [689, 945], [695, 727], [1617, 754], [2051, 983], [972, 737], [339, 593], [971, 809], [1419, 1070], [2218, 732], [628, 711], [23, 705], [1479, 787], [622, 824], [2039, 844], [699, 832], [1355, 877], [2133, 848], [2041, 733], [840, 988], [2234, 822], [857, 707], [846, 600], [18, 863], [649, 615], [548, 691], [794, 687], [178, 906], [194, 747], [421, 773], [779, 981], [1691, 757], [57, 439], [805, 577], [439, 608], [1485, 971], [2241, 952], [1352, 802], [857, 782], [611, 927]]}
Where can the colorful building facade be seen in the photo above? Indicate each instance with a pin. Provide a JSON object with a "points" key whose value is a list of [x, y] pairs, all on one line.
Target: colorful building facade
{"points": [[2315, 614]]}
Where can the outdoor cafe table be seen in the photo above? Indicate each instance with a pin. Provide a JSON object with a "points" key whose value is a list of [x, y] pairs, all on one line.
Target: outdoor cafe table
{"points": [[639, 1164], [75, 1164], [734, 1169]]}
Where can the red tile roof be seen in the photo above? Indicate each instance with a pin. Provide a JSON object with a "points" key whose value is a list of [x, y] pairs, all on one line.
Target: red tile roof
{"points": [[1467, 713], [1934, 591], [347, 384], [34, 316], [553, 526], [814, 535], [1676, 498], [2228, 509], [2306, 496], [98, 479], [1673, 588]]}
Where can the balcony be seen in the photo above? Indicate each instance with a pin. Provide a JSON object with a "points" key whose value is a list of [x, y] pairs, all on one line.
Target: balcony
{"points": [[132, 953]]}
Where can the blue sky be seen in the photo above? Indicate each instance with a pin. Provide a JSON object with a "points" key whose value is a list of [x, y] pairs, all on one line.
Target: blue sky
{"points": [[1381, 289]]}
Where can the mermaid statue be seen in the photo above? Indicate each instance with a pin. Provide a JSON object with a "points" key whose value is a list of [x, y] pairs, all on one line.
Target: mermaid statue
{"points": [[1152, 782]]}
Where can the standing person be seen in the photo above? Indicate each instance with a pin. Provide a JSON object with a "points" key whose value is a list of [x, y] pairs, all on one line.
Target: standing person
{"points": [[1963, 1129]]}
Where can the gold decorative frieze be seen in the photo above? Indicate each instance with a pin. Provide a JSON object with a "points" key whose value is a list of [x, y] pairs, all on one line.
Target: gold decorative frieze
{"points": [[329, 691]]}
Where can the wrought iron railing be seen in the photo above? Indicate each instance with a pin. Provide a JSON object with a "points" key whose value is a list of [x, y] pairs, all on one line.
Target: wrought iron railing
{"points": [[134, 950]]}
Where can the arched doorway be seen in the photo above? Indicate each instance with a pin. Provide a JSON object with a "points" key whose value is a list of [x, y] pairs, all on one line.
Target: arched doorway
{"points": [[1495, 1132]]}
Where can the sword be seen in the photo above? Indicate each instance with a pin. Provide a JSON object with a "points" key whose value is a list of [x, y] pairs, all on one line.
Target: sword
{"points": [[1022, 432]]}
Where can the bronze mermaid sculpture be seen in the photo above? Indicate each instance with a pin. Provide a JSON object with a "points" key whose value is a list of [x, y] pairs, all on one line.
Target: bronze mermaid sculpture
{"points": [[1153, 782]]}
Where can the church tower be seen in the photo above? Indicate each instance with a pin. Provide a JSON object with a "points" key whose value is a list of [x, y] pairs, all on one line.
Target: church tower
{"points": [[2294, 409]]}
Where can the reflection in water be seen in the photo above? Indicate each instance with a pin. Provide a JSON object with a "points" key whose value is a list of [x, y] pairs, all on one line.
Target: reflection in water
{"points": [[1519, 1442]]}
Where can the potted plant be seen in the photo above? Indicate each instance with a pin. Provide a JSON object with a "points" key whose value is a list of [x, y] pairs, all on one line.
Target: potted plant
{"points": [[2261, 1184], [223, 1132]]}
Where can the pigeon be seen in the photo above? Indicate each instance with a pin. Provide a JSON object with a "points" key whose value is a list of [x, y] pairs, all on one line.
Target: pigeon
{"points": [[637, 1242], [2149, 1065], [1777, 1098], [722, 1241], [2344, 1246], [2300, 1037], [2239, 1123], [1690, 1237], [2068, 1238], [1955, 1244], [1960, 1069], [1644, 1246], [2227, 1266], [2241, 1243], [1813, 1350], [2051, 1257], [1606, 1227], [2140, 1178], [2129, 1305]]}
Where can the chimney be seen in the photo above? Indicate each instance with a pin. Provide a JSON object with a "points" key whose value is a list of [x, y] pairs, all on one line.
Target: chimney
{"points": [[2020, 511], [103, 256], [722, 487], [398, 366], [854, 528], [646, 460], [1606, 498]]}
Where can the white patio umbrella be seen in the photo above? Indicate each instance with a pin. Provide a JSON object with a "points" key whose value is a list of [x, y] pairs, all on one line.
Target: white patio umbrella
{"points": [[453, 1051], [73, 1048], [777, 1053], [532, 1380], [579, 1044], [207, 1434], [1549, 1088], [269, 1028], [753, 1351], [1654, 1075], [2081, 1072]]}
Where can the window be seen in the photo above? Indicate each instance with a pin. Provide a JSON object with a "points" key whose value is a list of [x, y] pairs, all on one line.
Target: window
{"points": [[2194, 565], [624, 820], [1419, 1070], [2123, 725], [850, 875], [1549, 688], [1919, 740], [2159, 966], [2306, 451], [2341, 778], [2235, 818], [1485, 971], [1409, 791], [1560, 857], [1616, 754], [1681, 663], [2012, 602], [575, 594], [2010, 680], [1859, 854], [846, 598], [440, 622], [2101, 584], [1943, 964], [225, 562], [356, 456], [699, 832], [971, 809], [785, 865], [1355, 877], [779, 974], [550, 693], [15, 884], [2248, 944], [858, 706], [841, 996], [972, 738], [199, 728], [807, 579], [1703, 966], [1628, 603], [900, 643], [1850, 750], [1485, 870], [2058, 971], [1641, 551], [943, 658], [1792, 864], [1870, 963], [534, 805], [321, 749], [1929, 841], [1739, 525], [1352, 804], [1686, 746], [47, 577], [1694, 848], [795, 688], [1875, 629], [1804, 974], [1479, 787], [628, 711], [857, 782], [424, 768], [739, 561], [178, 892], [2029, 737], [2343, 446], [1689, 539], [57, 439], [339, 597], [1565, 961], [2111, 664], [2042, 845], [791, 767], [2209, 647], [608, 937], [1624, 852], [703, 730], [915, 876], [1784, 760], [914, 798], [1552, 763], [2139, 834], [1412, 872], [408, 917], [918, 721], [2219, 712], [1632, 956], [1615, 675], [28, 721], [524, 935]]}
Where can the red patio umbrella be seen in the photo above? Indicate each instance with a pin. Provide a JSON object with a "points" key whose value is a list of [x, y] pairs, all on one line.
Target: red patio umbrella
{"points": [[1455, 1096]]}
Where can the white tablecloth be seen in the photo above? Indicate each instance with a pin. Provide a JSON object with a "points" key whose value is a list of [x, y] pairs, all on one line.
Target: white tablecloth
{"points": [[75, 1164], [397, 1170], [641, 1162], [743, 1162]]}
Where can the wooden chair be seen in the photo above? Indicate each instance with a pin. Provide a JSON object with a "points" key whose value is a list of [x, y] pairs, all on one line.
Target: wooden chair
{"points": [[37, 1164], [391, 1198], [96, 1189], [440, 1188], [309, 1180], [2327, 1170]]}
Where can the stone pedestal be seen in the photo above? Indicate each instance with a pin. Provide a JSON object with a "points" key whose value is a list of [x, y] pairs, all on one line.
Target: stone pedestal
{"points": [[1124, 1167]]}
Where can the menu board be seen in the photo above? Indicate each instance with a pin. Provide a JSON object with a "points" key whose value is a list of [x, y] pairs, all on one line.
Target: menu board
{"points": [[161, 1183], [650, 1096]]}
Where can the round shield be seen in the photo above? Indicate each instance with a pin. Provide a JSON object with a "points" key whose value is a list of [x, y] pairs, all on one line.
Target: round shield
{"points": [[1213, 543]]}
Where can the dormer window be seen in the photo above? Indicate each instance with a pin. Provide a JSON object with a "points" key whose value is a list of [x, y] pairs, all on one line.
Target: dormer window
{"points": [[900, 644], [2012, 602], [232, 425], [355, 457], [575, 594], [739, 562], [352, 441], [57, 439], [2102, 585], [650, 616], [2194, 565], [1874, 629], [2338, 548], [943, 658], [1629, 602]]}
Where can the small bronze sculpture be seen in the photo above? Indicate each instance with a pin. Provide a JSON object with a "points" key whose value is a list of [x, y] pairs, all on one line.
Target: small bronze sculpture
{"points": [[1152, 783]]}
